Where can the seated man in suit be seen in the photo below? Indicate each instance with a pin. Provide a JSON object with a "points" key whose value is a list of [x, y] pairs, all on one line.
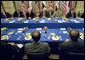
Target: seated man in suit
{"points": [[36, 46], [57, 13], [74, 46], [51, 11], [44, 13], [10, 50], [29, 14], [71, 14], [5, 14], [18, 14]]}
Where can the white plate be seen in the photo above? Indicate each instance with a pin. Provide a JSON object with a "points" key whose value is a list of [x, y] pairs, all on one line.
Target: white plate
{"points": [[82, 36], [43, 21], [10, 33], [5, 37], [34, 18], [72, 20], [76, 21], [29, 37], [21, 29], [64, 32], [52, 34], [53, 37], [59, 21], [27, 34], [26, 21], [48, 18], [38, 28], [62, 28]]}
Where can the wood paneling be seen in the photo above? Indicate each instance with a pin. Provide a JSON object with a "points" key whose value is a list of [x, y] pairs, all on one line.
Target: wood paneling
{"points": [[80, 7], [8, 6]]}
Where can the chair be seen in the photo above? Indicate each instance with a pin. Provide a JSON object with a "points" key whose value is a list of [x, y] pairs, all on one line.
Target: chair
{"points": [[8, 51], [73, 56], [38, 56]]}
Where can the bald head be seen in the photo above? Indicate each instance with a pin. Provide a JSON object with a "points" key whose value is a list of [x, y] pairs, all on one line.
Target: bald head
{"points": [[28, 10], [44, 9], [36, 36], [74, 35]]}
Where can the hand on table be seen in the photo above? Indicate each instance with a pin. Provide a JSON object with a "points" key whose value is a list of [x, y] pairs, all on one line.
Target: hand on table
{"points": [[11, 43], [29, 17], [44, 17], [53, 17], [56, 17], [67, 40], [1, 38]]}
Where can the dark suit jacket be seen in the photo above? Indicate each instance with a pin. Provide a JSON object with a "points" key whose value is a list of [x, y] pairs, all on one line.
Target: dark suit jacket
{"points": [[16, 14], [82, 15], [36, 48], [70, 47], [69, 15], [46, 14], [30, 15], [7, 51], [7, 15]]}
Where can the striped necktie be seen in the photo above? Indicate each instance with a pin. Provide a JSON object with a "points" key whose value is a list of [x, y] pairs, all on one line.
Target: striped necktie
{"points": [[44, 13]]}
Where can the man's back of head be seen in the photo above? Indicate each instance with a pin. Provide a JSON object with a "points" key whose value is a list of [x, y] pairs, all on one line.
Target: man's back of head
{"points": [[36, 36], [74, 35]]}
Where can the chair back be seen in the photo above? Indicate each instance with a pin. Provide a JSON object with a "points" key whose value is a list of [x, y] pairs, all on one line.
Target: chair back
{"points": [[38, 56], [74, 56]]}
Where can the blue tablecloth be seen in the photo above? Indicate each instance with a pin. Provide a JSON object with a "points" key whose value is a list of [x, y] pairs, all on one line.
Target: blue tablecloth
{"points": [[58, 32], [52, 24]]}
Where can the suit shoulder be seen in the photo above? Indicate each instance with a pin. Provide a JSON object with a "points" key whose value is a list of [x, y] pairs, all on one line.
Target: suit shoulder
{"points": [[44, 44], [64, 44], [27, 44]]}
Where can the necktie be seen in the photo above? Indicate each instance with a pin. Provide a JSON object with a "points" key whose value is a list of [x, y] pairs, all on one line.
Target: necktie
{"points": [[44, 13]]}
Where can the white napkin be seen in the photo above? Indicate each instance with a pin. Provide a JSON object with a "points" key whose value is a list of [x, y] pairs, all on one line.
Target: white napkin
{"points": [[43, 21], [11, 21], [82, 28], [40, 31], [64, 32], [76, 21], [59, 21], [20, 45], [20, 29], [62, 28], [38, 28], [26, 21], [1, 28]]}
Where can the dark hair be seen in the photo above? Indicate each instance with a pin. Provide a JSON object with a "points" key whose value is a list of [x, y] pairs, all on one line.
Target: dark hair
{"points": [[74, 37], [36, 36]]}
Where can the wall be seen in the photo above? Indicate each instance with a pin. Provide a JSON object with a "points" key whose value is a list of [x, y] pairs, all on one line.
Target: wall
{"points": [[80, 7], [9, 6]]}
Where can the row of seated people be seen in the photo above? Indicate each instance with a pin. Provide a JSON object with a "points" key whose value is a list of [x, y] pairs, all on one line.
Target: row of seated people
{"points": [[41, 50], [46, 12]]}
